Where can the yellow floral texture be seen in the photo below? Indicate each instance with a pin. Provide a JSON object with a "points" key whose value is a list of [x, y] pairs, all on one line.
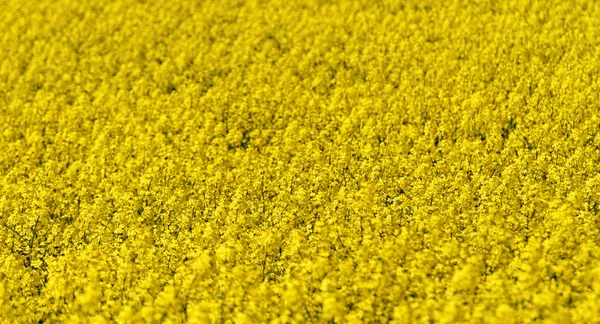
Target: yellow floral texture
{"points": [[299, 161]]}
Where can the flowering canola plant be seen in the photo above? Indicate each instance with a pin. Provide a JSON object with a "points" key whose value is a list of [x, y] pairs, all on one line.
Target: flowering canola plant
{"points": [[299, 161]]}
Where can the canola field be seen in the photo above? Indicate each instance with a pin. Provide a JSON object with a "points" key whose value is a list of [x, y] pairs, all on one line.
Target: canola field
{"points": [[299, 161]]}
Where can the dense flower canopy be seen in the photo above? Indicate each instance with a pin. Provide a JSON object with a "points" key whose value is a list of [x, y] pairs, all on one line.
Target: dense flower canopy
{"points": [[414, 161]]}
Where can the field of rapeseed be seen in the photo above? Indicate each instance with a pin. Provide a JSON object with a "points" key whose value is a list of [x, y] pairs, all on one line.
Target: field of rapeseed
{"points": [[309, 161]]}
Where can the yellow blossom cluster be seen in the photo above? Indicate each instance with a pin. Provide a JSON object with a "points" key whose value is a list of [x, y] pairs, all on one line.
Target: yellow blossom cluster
{"points": [[299, 161]]}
